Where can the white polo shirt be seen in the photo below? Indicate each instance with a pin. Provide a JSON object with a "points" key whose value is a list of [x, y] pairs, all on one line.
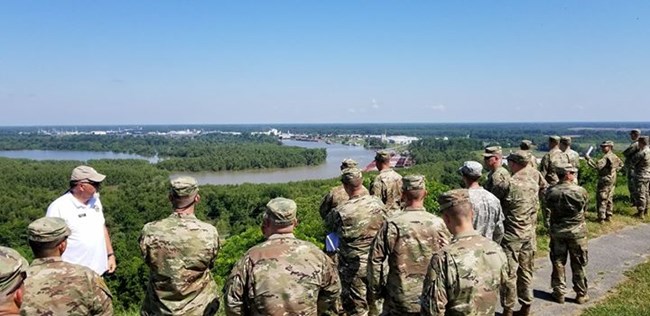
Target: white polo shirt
{"points": [[86, 244]]}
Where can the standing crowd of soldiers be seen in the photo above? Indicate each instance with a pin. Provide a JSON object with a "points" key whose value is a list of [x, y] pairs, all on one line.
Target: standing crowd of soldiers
{"points": [[385, 253]]}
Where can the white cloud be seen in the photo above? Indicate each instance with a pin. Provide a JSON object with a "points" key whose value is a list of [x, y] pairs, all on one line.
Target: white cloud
{"points": [[352, 110], [374, 104], [439, 108]]}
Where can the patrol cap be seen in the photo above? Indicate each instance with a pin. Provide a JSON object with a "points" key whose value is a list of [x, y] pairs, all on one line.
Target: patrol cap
{"points": [[521, 157], [471, 169], [184, 186], [281, 211], [350, 174], [526, 144], [453, 198], [492, 151], [635, 131], [564, 168], [382, 155], [81, 173], [48, 229], [13, 269], [565, 140], [413, 182], [348, 163], [643, 139], [607, 143]]}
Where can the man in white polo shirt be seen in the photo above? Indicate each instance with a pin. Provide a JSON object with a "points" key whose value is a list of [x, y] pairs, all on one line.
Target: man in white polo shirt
{"points": [[89, 244]]}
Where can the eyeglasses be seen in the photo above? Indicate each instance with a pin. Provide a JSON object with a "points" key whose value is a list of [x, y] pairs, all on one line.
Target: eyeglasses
{"points": [[96, 185]]}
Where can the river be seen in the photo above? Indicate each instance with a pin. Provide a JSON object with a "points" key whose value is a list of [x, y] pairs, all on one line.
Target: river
{"points": [[330, 169]]}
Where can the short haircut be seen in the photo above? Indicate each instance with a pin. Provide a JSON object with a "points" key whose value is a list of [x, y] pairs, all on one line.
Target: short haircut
{"points": [[414, 194], [459, 211], [44, 249]]}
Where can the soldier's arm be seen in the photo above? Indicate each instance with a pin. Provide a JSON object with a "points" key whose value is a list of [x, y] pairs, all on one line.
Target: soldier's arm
{"points": [[330, 292], [236, 287], [102, 298], [543, 165], [498, 233], [501, 183], [375, 187], [433, 300], [325, 206], [382, 246]]}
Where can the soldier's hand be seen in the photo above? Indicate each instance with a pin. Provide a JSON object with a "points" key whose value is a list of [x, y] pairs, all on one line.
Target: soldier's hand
{"points": [[112, 264]]}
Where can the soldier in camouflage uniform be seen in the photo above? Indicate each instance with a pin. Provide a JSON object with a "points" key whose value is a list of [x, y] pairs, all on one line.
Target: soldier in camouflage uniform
{"points": [[56, 287], [527, 145], [629, 171], [640, 162], [283, 275], [568, 203], [336, 195], [519, 240], [554, 156], [387, 185], [180, 251], [406, 240], [464, 277], [573, 156], [607, 167], [13, 269], [498, 177], [357, 222], [488, 215]]}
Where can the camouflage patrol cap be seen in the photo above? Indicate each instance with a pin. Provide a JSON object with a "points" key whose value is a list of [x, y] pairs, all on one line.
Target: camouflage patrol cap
{"points": [[48, 229], [564, 168], [492, 151], [349, 174], [526, 144], [184, 186], [471, 169], [565, 140], [348, 163], [281, 211], [413, 182], [382, 156], [607, 143], [81, 173], [13, 269], [521, 157], [554, 138], [635, 131], [453, 198]]}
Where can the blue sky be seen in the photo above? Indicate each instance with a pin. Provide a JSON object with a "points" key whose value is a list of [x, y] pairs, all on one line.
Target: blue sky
{"points": [[223, 62]]}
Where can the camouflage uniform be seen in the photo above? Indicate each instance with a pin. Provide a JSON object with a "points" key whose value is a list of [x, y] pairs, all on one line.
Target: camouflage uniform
{"points": [[607, 167], [572, 155], [554, 157], [388, 187], [526, 146], [357, 222], [12, 275], [55, 287], [283, 275], [519, 240], [332, 200], [497, 182], [568, 232], [180, 251], [629, 170], [488, 215], [640, 162], [406, 240]]}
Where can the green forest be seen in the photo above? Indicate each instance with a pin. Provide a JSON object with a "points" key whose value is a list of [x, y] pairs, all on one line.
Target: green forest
{"points": [[135, 192]]}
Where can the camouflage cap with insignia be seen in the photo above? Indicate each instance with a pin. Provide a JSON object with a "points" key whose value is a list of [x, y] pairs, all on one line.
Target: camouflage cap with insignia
{"points": [[348, 163], [554, 138], [81, 173], [184, 186], [471, 169], [564, 168], [48, 229], [413, 182], [492, 151], [453, 198], [607, 143], [13, 269], [521, 157], [565, 140], [526, 144], [281, 211], [349, 174], [382, 155]]}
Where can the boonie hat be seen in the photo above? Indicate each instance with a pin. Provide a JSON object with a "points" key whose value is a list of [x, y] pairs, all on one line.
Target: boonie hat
{"points": [[86, 173], [48, 229], [281, 211]]}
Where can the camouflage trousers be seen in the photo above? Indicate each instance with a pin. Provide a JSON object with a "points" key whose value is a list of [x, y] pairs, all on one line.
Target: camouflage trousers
{"points": [[520, 255], [605, 198], [641, 195], [631, 187], [577, 252], [354, 285]]}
